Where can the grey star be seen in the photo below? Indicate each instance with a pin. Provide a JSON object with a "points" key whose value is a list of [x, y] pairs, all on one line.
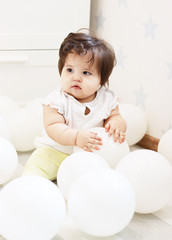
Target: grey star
{"points": [[150, 28], [141, 97], [170, 70], [122, 2], [99, 20], [120, 58]]}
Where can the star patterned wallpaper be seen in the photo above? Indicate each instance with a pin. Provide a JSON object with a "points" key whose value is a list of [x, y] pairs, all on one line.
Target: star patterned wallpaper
{"points": [[140, 32]]}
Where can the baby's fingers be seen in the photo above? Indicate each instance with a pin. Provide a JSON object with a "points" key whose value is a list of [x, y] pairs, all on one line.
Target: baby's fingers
{"points": [[107, 127], [87, 149], [93, 146], [90, 146], [116, 135], [94, 136], [121, 137], [96, 142]]}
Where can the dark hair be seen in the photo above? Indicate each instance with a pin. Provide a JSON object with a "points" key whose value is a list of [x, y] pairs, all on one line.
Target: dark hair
{"points": [[101, 52]]}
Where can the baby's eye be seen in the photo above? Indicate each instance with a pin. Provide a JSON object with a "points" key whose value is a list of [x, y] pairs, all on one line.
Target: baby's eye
{"points": [[86, 73], [69, 70]]}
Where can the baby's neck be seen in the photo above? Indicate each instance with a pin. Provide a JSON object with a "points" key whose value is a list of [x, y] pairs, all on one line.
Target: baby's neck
{"points": [[88, 99]]}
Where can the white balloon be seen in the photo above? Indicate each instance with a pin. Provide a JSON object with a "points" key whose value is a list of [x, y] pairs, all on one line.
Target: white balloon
{"points": [[74, 166], [7, 106], [165, 145], [35, 106], [136, 122], [150, 174], [25, 125], [8, 160], [101, 202], [31, 207], [5, 129], [111, 151]]}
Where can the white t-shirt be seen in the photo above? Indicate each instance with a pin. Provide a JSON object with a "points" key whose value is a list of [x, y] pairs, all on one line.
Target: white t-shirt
{"points": [[74, 113]]}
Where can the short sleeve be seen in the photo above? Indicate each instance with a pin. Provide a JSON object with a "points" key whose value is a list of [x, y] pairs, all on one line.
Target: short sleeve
{"points": [[55, 100], [107, 101], [111, 99], [115, 101]]}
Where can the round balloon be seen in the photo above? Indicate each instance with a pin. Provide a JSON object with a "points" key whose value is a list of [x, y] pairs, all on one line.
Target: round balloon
{"points": [[8, 160], [136, 122], [5, 129], [31, 207], [35, 106], [74, 166], [101, 202], [7, 106], [150, 174], [25, 125], [165, 145], [111, 151]]}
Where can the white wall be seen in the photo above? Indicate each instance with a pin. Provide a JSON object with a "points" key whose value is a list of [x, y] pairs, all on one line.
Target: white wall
{"points": [[30, 35], [141, 33]]}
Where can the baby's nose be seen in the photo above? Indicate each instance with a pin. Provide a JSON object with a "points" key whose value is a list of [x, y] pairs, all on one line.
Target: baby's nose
{"points": [[77, 78]]}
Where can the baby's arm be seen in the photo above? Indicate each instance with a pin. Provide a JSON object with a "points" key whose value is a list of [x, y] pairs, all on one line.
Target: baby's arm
{"points": [[61, 133], [116, 125]]}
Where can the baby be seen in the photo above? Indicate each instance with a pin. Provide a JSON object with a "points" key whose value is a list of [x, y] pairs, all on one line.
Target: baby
{"points": [[83, 102]]}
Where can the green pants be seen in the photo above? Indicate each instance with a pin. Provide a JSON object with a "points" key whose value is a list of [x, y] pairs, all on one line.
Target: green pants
{"points": [[44, 161]]}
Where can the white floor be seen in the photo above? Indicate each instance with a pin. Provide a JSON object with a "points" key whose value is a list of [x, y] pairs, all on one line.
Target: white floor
{"points": [[156, 226]]}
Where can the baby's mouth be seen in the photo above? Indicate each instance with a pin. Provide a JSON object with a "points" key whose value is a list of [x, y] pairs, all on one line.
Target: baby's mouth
{"points": [[76, 86]]}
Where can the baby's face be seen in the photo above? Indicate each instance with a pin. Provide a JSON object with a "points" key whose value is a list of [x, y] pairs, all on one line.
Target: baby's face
{"points": [[79, 78]]}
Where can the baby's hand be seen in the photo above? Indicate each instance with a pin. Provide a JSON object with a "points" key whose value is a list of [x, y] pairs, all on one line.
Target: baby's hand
{"points": [[117, 129], [88, 140]]}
